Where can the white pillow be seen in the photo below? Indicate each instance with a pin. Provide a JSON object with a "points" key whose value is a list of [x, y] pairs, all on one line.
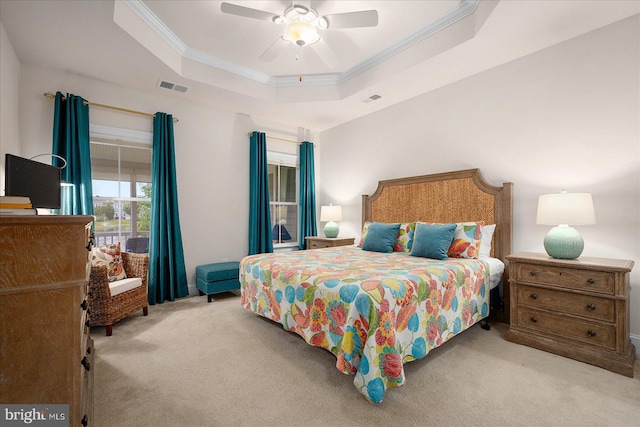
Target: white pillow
{"points": [[487, 236]]}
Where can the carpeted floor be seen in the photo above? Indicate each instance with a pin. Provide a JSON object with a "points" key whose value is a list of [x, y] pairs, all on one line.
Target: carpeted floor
{"points": [[190, 363]]}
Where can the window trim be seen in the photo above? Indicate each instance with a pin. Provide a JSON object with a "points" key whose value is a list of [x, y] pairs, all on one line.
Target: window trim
{"points": [[120, 135], [124, 138], [290, 160]]}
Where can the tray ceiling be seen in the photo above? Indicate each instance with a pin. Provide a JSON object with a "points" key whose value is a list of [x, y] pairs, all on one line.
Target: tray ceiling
{"points": [[416, 47]]}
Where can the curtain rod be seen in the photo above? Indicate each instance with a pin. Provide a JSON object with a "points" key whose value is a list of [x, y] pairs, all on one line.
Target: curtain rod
{"points": [[280, 139], [109, 107]]}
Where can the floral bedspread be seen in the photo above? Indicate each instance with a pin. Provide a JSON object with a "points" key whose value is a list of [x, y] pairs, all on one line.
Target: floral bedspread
{"points": [[373, 311]]}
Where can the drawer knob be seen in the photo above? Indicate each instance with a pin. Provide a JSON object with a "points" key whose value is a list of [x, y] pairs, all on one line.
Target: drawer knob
{"points": [[86, 364], [533, 296], [534, 319], [92, 240], [591, 307], [591, 281], [591, 333], [85, 421], [532, 273]]}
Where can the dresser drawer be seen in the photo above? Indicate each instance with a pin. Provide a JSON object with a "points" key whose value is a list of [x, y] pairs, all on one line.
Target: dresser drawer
{"points": [[570, 278], [565, 302], [314, 244], [597, 334], [326, 242]]}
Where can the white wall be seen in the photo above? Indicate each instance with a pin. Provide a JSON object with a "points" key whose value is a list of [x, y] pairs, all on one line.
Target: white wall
{"points": [[565, 117], [211, 145], [9, 85]]}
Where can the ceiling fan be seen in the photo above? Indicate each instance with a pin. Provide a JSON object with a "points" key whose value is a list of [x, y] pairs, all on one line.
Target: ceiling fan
{"points": [[301, 27]]}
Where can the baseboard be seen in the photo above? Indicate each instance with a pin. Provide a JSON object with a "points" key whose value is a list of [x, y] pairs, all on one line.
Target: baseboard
{"points": [[193, 290], [635, 340]]}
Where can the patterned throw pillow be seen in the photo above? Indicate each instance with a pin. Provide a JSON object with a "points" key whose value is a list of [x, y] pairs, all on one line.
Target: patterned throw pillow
{"points": [[365, 230], [466, 240], [405, 237], [403, 241], [109, 256]]}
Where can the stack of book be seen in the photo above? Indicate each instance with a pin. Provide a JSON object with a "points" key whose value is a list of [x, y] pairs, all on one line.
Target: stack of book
{"points": [[16, 205]]}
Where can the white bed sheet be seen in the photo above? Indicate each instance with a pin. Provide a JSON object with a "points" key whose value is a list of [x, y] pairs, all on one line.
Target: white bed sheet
{"points": [[496, 268]]}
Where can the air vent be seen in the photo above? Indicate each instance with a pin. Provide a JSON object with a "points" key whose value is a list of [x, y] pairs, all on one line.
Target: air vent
{"points": [[172, 86], [371, 98], [165, 85]]}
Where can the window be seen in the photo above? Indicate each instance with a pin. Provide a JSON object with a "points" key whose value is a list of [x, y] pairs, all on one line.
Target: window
{"points": [[121, 180], [283, 196]]}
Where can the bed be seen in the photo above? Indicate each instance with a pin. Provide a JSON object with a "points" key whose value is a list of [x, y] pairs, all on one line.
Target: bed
{"points": [[376, 310]]}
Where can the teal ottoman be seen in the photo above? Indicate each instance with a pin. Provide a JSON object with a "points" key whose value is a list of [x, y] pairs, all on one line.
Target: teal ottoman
{"points": [[218, 277]]}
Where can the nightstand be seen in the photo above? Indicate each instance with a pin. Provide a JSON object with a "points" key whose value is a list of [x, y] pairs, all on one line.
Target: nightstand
{"points": [[575, 308], [328, 242]]}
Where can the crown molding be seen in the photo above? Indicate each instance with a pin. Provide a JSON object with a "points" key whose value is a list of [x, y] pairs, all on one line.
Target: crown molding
{"points": [[464, 9], [307, 80], [156, 24], [212, 61]]}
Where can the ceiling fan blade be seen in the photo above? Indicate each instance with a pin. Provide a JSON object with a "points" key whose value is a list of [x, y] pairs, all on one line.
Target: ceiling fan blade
{"points": [[364, 18], [324, 51], [234, 9], [274, 50]]}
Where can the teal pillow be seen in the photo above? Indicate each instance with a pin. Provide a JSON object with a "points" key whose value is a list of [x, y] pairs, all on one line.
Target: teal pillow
{"points": [[381, 237], [432, 240]]}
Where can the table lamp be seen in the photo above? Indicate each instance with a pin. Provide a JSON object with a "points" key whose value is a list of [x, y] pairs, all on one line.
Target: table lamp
{"points": [[563, 210], [331, 214]]}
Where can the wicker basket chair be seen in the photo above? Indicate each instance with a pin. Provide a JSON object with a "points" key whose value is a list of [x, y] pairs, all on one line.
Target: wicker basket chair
{"points": [[105, 309]]}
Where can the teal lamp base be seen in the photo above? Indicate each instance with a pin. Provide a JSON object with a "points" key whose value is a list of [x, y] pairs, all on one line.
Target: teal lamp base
{"points": [[563, 242], [331, 229]]}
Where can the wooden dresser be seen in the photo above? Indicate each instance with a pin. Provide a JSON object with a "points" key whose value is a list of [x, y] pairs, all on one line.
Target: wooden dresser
{"points": [[574, 308], [46, 354], [328, 242]]}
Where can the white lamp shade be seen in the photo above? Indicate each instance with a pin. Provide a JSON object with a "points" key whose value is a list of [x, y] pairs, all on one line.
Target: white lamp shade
{"points": [[301, 33], [330, 213], [566, 208]]}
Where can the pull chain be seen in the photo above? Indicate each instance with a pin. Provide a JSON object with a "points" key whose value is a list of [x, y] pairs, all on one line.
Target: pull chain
{"points": [[298, 60]]}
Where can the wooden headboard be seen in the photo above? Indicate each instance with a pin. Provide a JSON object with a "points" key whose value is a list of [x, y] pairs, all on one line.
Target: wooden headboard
{"points": [[449, 197], [445, 197]]}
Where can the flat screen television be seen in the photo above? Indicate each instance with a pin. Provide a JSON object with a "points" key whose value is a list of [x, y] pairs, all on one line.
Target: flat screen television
{"points": [[38, 181]]}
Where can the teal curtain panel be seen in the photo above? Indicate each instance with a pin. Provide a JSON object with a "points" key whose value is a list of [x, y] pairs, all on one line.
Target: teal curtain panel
{"points": [[259, 209], [167, 272], [71, 141], [307, 197]]}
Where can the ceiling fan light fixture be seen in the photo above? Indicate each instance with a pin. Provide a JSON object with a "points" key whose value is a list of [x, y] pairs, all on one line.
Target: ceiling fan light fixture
{"points": [[300, 10], [302, 25], [301, 33], [322, 23]]}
